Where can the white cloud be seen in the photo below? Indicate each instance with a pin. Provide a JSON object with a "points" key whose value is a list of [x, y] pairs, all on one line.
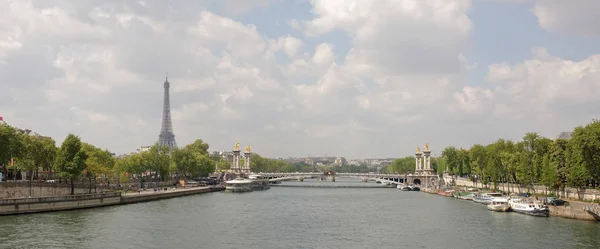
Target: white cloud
{"points": [[289, 44], [99, 73], [544, 90], [403, 37], [575, 17]]}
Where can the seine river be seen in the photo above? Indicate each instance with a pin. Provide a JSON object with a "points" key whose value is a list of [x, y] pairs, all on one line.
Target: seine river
{"points": [[288, 217]]}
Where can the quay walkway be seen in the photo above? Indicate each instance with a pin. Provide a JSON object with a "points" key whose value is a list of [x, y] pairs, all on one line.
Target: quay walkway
{"points": [[14, 206]]}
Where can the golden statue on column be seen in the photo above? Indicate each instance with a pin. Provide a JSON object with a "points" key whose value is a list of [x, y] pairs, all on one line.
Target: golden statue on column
{"points": [[427, 147], [248, 148], [237, 146]]}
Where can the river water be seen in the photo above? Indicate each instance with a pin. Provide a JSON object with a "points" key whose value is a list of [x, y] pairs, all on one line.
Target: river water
{"points": [[288, 217]]}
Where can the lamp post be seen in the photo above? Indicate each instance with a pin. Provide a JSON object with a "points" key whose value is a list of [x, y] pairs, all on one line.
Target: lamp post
{"points": [[157, 168]]}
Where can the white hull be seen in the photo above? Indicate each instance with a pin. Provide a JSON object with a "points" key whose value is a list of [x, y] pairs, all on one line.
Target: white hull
{"points": [[239, 185], [529, 208], [498, 207]]}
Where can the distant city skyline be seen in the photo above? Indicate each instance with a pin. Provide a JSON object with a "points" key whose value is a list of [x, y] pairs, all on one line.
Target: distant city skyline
{"points": [[299, 78]]}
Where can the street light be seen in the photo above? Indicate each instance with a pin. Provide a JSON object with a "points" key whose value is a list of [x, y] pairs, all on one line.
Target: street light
{"points": [[157, 168]]}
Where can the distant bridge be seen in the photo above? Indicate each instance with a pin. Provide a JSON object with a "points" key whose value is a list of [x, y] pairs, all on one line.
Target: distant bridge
{"points": [[389, 178]]}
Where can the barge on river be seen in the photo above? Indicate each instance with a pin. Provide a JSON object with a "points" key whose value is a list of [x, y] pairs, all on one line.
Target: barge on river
{"points": [[254, 182], [238, 185], [259, 182], [528, 207]]}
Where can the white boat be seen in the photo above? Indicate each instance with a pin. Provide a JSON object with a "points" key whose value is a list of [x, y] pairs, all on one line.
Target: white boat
{"points": [[486, 198], [403, 187], [524, 206], [499, 204], [238, 185]]}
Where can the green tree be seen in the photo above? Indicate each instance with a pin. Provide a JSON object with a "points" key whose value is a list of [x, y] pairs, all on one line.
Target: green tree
{"points": [[98, 163], [452, 159], [586, 143], [441, 165], [158, 159], [132, 165], [578, 174], [223, 164], [205, 166], [47, 152], [198, 146], [549, 178], [558, 162], [29, 157], [70, 159], [10, 144], [478, 157]]}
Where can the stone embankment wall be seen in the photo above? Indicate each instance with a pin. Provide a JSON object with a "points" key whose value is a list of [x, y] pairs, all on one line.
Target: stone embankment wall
{"points": [[38, 189], [69, 202], [57, 203], [152, 196], [575, 210], [586, 194]]}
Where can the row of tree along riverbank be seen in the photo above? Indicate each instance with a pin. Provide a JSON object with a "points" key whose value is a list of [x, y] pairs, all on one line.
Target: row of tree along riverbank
{"points": [[71, 202], [23, 153], [566, 162]]}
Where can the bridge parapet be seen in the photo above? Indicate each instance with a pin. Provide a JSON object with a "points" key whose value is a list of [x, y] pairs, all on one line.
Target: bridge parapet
{"points": [[371, 175]]}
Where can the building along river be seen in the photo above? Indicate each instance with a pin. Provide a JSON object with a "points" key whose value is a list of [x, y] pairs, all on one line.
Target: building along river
{"points": [[297, 218]]}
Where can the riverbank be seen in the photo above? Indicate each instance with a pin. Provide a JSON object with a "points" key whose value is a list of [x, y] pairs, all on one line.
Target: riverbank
{"points": [[13, 206], [577, 210]]}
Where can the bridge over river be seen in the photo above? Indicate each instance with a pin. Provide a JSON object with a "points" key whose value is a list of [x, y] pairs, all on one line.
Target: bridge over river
{"points": [[426, 180]]}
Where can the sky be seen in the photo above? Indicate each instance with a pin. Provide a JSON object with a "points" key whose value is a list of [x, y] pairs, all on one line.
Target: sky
{"points": [[355, 78]]}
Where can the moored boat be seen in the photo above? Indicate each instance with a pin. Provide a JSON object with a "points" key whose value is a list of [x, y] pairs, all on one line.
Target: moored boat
{"points": [[404, 187], [259, 182], [238, 185], [485, 198], [499, 204], [447, 193], [524, 206], [463, 195], [415, 188]]}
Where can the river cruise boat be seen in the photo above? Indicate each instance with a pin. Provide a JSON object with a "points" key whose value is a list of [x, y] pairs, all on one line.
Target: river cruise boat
{"points": [[486, 198], [259, 182], [238, 185], [499, 205], [524, 206]]}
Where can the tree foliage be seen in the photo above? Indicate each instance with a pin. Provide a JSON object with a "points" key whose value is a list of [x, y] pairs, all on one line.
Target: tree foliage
{"points": [[71, 159], [533, 160]]}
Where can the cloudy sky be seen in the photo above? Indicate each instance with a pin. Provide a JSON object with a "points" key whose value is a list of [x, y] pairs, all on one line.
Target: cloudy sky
{"points": [[296, 78]]}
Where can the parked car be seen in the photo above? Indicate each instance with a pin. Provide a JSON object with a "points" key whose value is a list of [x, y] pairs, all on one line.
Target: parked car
{"points": [[524, 194], [554, 201]]}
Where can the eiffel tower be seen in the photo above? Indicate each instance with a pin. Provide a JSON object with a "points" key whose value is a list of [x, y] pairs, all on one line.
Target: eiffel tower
{"points": [[166, 136]]}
